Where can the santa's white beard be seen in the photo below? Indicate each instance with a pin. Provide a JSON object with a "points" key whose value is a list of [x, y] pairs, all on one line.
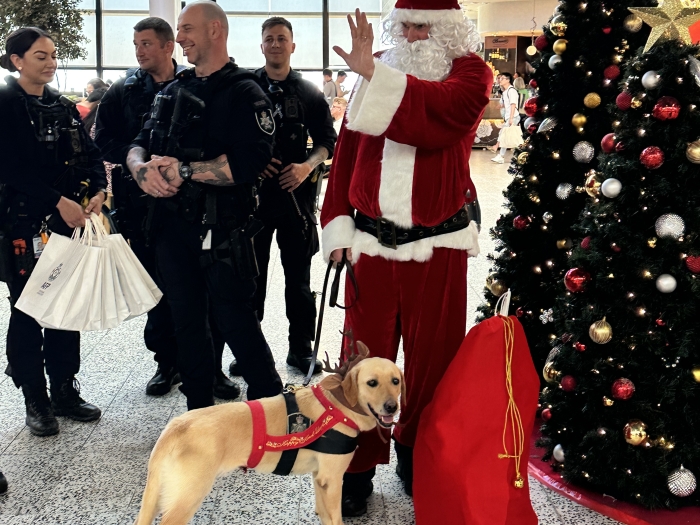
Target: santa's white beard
{"points": [[425, 59]]}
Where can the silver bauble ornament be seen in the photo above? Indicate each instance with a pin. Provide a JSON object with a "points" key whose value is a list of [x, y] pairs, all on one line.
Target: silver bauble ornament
{"points": [[670, 225], [554, 61], [651, 79], [547, 217], [548, 124], [681, 482], [529, 121], [584, 152], [611, 188], [558, 453], [666, 283], [564, 190]]}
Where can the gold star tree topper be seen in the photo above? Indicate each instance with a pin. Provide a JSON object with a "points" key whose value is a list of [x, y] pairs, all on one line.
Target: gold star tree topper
{"points": [[670, 21]]}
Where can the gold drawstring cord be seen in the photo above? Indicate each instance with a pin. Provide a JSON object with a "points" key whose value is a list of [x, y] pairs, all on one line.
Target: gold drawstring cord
{"points": [[512, 413]]}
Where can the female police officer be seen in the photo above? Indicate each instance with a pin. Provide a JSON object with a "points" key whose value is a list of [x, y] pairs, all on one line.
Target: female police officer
{"points": [[47, 159]]}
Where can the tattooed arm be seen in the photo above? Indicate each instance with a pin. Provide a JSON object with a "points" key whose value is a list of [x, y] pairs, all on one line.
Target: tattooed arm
{"points": [[216, 172], [147, 174]]}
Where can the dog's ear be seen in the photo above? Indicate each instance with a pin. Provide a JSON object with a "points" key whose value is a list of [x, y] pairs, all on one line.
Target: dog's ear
{"points": [[403, 389], [349, 385], [331, 382]]}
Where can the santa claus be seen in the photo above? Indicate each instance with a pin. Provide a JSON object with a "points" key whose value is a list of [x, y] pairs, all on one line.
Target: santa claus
{"points": [[396, 206]]}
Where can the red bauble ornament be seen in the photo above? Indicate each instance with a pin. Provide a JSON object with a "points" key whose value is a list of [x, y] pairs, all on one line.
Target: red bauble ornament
{"points": [[520, 222], [660, 322], [568, 383], [607, 30], [532, 128], [576, 279], [652, 157], [541, 43], [546, 414], [531, 106], [622, 389], [619, 147], [611, 72], [608, 143], [614, 247], [580, 347], [666, 108], [693, 263], [624, 101], [586, 243], [533, 83]]}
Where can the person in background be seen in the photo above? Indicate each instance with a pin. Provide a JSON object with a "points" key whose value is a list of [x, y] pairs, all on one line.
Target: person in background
{"points": [[93, 84], [338, 112], [92, 102], [339, 88], [509, 101], [330, 91], [523, 95]]}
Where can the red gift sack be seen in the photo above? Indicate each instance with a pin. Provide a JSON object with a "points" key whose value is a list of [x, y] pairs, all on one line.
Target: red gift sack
{"points": [[471, 453]]}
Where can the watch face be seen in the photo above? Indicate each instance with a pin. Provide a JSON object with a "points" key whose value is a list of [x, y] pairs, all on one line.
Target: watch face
{"points": [[185, 172]]}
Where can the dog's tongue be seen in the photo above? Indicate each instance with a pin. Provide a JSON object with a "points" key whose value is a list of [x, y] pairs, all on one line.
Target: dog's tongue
{"points": [[387, 419]]}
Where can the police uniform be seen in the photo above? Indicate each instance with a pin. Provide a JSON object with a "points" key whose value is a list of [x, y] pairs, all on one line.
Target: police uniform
{"points": [[46, 155], [300, 110], [121, 116], [202, 235]]}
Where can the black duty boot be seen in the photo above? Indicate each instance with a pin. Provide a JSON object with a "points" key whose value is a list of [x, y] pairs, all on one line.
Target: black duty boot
{"points": [[404, 466], [357, 487], [234, 369], [66, 401], [161, 383], [224, 388], [3, 483], [40, 416], [302, 361]]}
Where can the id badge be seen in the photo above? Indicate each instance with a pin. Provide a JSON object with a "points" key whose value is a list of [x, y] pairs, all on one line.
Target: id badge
{"points": [[206, 243], [38, 245]]}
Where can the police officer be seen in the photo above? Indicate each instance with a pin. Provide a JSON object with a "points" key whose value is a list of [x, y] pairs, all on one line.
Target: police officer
{"points": [[288, 190], [48, 164], [211, 135], [122, 113]]}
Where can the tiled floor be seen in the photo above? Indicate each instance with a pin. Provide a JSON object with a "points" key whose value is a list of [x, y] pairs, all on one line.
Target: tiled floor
{"points": [[94, 473]]}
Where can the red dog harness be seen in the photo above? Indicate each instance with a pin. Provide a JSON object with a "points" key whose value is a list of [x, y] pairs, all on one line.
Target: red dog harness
{"points": [[262, 442]]}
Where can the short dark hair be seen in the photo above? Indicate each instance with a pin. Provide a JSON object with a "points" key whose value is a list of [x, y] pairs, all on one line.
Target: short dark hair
{"points": [[277, 21], [342, 73], [97, 83], [161, 28], [327, 73], [18, 43], [508, 76]]}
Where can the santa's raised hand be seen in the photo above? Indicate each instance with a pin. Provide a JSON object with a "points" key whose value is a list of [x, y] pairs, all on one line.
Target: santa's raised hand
{"points": [[360, 59]]}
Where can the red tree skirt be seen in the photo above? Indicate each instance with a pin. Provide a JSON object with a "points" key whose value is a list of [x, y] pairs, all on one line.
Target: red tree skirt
{"points": [[618, 510]]}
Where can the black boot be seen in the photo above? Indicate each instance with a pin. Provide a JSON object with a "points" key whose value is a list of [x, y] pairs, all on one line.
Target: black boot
{"points": [[66, 401], [161, 383], [40, 416], [357, 487], [404, 466], [234, 369], [302, 361], [3, 483], [224, 388]]}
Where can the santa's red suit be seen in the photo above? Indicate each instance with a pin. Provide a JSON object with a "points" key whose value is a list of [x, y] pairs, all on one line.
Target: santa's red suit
{"points": [[403, 155]]}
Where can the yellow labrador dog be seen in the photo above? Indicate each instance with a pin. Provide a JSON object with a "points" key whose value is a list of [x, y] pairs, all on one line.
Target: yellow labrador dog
{"points": [[202, 444]]}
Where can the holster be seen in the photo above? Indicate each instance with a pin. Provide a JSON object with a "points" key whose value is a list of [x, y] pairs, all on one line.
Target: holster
{"points": [[237, 251]]}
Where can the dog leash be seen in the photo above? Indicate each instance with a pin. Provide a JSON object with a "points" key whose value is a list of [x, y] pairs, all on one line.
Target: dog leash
{"points": [[332, 302]]}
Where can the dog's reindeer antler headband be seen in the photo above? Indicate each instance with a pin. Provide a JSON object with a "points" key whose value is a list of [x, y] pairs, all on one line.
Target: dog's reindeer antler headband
{"points": [[351, 355]]}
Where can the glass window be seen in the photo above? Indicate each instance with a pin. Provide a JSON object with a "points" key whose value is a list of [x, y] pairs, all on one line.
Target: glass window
{"points": [[90, 31], [245, 6], [125, 5], [118, 35], [73, 81], [340, 36], [296, 6], [87, 5], [349, 6], [113, 74]]}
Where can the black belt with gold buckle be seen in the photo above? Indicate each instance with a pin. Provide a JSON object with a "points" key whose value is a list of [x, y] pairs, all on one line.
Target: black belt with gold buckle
{"points": [[391, 236]]}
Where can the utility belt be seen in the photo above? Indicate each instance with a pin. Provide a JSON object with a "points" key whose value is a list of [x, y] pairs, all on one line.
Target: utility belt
{"points": [[391, 236], [237, 250], [20, 248]]}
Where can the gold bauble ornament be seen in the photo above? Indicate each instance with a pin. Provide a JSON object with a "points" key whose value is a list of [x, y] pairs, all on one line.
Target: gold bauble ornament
{"points": [[635, 432], [696, 373], [636, 103], [550, 374], [498, 288], [559, 46], [522, 158], [579, 120], [692, 152], [600, 332], [592, 100], [607, 401], [592, 185], [557, 26], [633, 23]]}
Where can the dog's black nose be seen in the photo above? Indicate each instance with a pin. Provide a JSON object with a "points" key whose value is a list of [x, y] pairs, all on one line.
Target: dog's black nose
{"points": [[390, 407]]}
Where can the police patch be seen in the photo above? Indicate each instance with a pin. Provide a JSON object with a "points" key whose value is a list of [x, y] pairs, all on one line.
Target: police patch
{"points": [[265, 121], [297, 423]]}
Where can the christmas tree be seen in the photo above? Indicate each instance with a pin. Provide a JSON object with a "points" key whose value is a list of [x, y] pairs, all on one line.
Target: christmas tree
{"points": [[581, 52], [622, 410]]}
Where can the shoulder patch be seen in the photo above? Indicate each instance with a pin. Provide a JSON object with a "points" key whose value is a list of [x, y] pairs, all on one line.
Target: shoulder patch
{"points": [[260, 103], [265, 122]]}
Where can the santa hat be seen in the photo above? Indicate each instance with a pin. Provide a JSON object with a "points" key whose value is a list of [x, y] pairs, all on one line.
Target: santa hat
{"points": [[428, 11]]}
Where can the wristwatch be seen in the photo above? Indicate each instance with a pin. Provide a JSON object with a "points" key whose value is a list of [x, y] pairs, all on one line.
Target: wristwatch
{"points": [[185, 171]]}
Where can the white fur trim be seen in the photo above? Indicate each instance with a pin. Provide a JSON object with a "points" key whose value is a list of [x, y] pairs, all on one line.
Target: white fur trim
{"points": [[396, 184], [376, 102], [428, 16], [419, 251], [339, 233]]}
